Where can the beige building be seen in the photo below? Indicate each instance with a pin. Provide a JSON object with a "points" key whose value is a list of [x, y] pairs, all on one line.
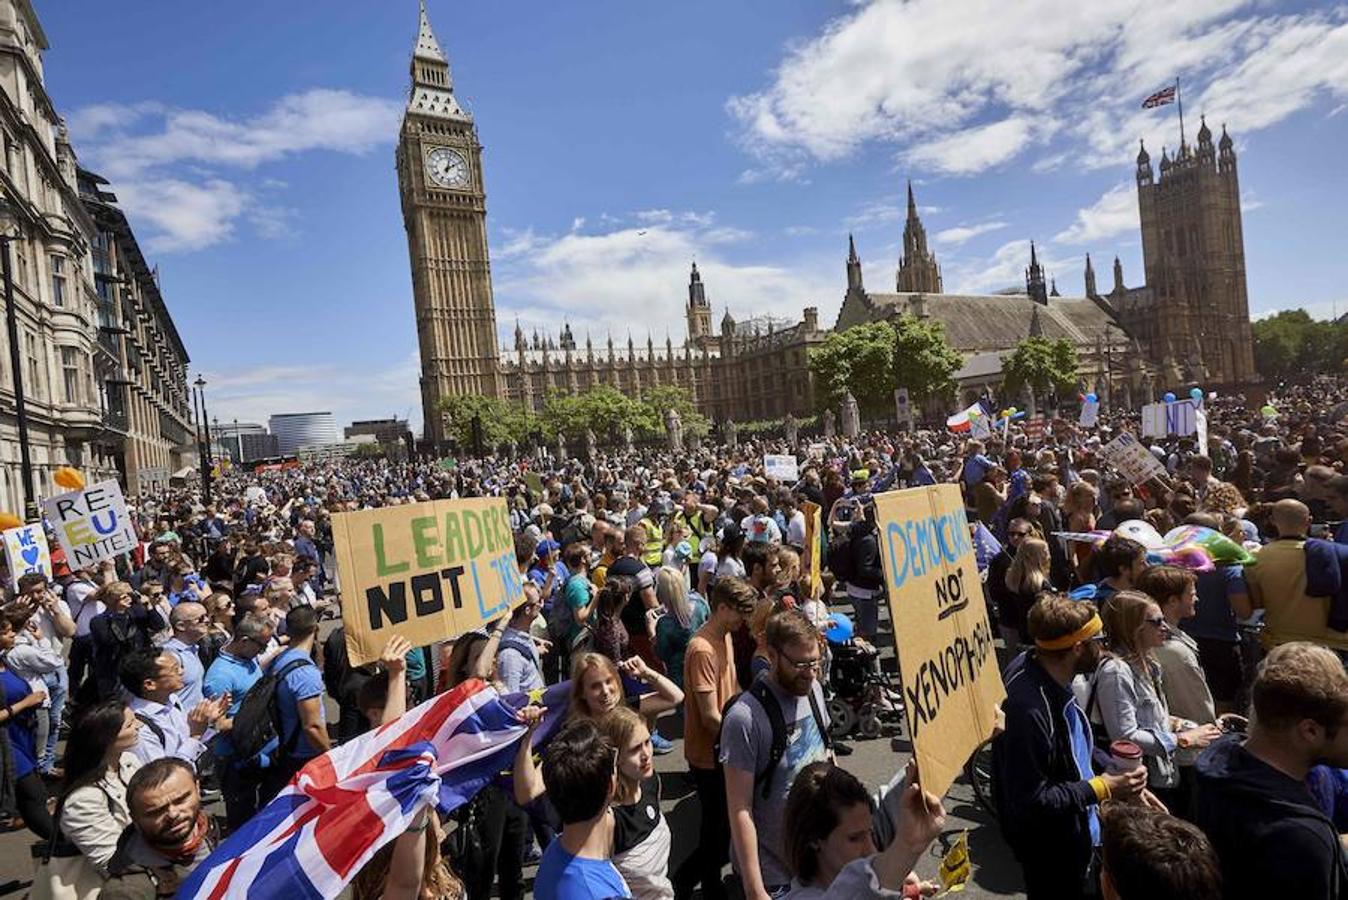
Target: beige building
{"points": [[54, 297]]}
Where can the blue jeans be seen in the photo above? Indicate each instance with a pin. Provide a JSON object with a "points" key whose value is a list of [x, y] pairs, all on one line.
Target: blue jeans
{"points": [[58, 687]]}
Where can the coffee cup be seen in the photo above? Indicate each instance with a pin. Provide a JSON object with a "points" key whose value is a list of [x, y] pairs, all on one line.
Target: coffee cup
{"points": [[1125, 756]]}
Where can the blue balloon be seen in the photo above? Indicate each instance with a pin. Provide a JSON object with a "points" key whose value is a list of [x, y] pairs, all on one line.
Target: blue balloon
{"points": [[841, 632], [1091, 398], [1196, 393], [1169, 397]]}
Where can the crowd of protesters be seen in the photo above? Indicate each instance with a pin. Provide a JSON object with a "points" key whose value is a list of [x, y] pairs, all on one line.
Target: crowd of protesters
{"points": [[1167, 732]]}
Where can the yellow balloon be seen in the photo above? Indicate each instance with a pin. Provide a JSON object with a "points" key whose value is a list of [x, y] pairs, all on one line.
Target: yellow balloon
{"points": [[68, 478]]}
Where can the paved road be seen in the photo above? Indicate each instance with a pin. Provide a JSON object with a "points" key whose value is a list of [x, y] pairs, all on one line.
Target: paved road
{"points": [[996, 873]]}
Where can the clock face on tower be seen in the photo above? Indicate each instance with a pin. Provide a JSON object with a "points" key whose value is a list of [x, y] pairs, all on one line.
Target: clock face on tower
{"points": [[447, 168]]}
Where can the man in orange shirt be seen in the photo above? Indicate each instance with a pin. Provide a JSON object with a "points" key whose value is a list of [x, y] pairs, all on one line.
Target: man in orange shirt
{"points": [[709, 684]]}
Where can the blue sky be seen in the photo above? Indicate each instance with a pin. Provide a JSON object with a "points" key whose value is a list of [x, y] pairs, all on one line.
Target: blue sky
{"points": [[254, 153]]}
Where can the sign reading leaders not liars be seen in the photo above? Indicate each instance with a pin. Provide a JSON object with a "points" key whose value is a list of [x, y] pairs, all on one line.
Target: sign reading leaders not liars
{"points": [[427, 571], [91, 524], [951, 684]]}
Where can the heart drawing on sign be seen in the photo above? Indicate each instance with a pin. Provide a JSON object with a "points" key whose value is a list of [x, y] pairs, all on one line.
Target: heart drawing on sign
{"points": [[31, 555]]}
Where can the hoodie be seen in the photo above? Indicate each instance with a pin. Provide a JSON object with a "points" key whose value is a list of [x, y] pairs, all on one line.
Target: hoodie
{"points": [[1269, 834]]}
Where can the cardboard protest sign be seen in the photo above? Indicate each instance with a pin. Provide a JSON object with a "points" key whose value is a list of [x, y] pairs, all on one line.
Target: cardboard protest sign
{"points": [[92, 524], [951, 685], [1177, 419], [813, 563], [426, 571], [1034, 427], [27, 552], [781, 466], [1127, 454]]}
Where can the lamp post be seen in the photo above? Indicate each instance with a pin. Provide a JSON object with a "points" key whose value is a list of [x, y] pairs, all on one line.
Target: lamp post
{"points": [[9, 232], [200, 385]]}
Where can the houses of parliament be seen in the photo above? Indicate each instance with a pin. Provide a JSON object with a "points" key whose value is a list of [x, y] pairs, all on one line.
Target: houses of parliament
{"points": [[1187, 324]]}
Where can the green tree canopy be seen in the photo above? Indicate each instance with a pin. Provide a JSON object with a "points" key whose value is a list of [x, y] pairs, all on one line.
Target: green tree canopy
{"points": [[663, 398], [860, 360], [501, 422], [924, 361], [1041, 364], [1291, 343]]}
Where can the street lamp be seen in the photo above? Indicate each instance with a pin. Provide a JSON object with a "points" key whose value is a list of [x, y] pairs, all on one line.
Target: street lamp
{"points": [[11, 230], [200, 385]]}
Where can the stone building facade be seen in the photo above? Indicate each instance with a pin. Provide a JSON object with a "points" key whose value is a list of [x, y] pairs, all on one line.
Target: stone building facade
{"points": [[1193, 315], [63, 364]]}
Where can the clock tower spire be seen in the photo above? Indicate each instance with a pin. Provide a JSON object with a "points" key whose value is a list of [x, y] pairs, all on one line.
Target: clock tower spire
{"points": [[444, 204]]}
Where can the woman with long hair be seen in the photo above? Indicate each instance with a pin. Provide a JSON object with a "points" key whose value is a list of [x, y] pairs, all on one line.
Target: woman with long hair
{"points": [[684, 613], [830, 846], [91, 810], [1127, 697], [728, 552], [641, 837], [1026, 578]]}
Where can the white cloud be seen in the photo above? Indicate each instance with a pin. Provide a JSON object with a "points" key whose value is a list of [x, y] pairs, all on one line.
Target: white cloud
{"points": [[252, 394], [169, 166], [638, 272], [874, 214], [183, 215], [974, 149], [960, 86], [1114, 213], [962, 233]]}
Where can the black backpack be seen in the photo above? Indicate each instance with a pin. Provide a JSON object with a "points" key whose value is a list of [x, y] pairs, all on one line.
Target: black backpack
{"points": [[258, 721], [760, 691]]}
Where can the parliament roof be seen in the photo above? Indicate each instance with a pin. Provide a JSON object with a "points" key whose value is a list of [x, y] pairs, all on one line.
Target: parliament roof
{"points": [[977, 323]]}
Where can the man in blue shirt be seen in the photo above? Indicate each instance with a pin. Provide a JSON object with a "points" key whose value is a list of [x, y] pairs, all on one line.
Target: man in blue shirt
{"points": [[152, 679], [299, 703], [189, 622], [234, 672], [580, 771]]}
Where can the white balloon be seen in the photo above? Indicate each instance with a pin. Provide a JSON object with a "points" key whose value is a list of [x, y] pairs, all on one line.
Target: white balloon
{"points": [[1142, 532]]}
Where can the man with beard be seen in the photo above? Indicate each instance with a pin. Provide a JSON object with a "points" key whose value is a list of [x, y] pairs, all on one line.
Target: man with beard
{"points": [[769, 734], [1047, 794], [168, 836]]}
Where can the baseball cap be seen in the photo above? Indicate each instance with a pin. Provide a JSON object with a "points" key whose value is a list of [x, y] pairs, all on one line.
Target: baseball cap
{"points": [[547, 546]]}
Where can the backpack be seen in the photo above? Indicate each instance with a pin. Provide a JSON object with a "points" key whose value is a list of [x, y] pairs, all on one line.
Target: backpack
{"points": [[840, 557], [258, 721], [561, 617], [760, 691]]}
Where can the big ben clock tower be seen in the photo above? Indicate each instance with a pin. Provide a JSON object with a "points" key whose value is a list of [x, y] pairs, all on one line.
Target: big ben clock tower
{"points": [[445, 213]]}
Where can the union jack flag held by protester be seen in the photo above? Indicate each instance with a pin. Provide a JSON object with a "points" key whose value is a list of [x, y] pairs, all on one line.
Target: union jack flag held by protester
{"points": [[344, 805], [1160, 98]]}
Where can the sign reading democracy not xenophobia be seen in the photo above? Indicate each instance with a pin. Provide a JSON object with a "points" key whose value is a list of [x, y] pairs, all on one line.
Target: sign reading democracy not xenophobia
{"points": [[27, 552], [951, 685], [91, 524], [426, 571]]}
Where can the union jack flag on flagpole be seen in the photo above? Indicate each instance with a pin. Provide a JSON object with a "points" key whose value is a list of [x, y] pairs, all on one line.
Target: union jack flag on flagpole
{"points": [[344, 805], [1160, 98]]}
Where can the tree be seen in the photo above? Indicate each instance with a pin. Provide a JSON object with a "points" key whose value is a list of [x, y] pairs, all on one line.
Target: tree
{"points": [[1291, 343], [369, 451], [662, 398], [1040, 364], [924, 361], [500, 422], [860, 360], [603, 410]]}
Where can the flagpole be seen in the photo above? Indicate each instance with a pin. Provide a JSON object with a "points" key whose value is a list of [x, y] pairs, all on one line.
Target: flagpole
{"points": [[1179, 104]]}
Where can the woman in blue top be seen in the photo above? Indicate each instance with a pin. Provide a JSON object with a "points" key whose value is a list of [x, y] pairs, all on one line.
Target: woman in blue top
{"points": [[684, 613], [22, 788]]}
